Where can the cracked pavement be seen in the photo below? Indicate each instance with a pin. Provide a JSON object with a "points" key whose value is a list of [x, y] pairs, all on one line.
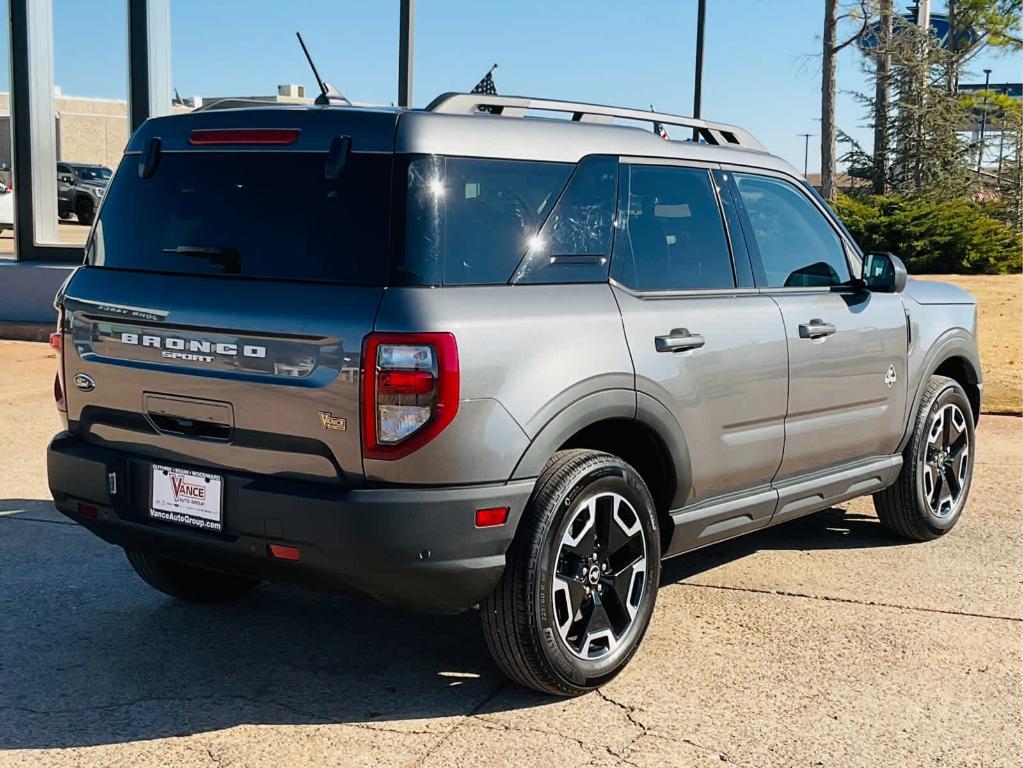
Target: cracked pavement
{"points": [[822, 642]]}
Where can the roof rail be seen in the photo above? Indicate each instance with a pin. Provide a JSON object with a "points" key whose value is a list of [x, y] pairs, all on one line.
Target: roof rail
{"points": [[719, 134]]}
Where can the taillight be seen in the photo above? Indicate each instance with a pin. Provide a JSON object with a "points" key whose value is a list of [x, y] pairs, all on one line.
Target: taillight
{"points": [[57, 344], [409, 391]]}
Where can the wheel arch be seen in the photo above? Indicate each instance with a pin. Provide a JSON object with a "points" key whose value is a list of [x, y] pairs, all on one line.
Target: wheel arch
{"points": [[955, 356], [636, 428]]}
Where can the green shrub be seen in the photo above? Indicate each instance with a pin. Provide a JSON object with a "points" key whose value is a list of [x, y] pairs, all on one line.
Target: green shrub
{"points": [[933, 235]]}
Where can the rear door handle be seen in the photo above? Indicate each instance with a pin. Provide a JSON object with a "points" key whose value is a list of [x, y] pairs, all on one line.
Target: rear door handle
{"points": [[815, 329], [679, 340]]}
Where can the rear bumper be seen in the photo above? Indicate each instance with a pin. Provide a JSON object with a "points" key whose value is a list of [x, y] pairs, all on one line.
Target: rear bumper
{"points": [[414, 547]]}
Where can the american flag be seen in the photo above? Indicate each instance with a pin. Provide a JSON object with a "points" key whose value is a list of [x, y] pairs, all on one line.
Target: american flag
{"points": [[486, 85], [659, 128]]}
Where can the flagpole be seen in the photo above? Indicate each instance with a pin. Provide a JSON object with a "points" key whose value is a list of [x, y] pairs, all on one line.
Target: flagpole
{"points": [[701, 20]]}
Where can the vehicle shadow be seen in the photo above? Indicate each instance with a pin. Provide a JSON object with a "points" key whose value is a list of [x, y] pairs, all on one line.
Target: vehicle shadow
{"points": [[833, 528], [90, 655]]}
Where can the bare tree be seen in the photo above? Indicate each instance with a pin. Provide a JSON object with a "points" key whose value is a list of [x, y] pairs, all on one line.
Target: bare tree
{"points": [[831, 49]]}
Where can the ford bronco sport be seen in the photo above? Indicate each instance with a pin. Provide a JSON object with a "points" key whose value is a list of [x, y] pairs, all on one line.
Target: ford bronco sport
{"points": [[470, 356]]}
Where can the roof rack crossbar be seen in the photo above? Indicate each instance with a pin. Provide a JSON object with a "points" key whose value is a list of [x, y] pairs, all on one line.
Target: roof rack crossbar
{"points": [[720, 134]]}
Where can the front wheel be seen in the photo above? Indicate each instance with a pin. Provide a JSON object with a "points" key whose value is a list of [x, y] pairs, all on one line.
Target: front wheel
{"points": [[581, 578], [85, 211], [928, 497]]}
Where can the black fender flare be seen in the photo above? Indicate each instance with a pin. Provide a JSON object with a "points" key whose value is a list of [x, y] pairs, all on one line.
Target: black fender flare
{"points": [[956, 342], [611, 404]]}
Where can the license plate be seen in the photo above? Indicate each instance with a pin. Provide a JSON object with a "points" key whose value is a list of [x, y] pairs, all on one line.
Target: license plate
{"points": [[187, 497]]}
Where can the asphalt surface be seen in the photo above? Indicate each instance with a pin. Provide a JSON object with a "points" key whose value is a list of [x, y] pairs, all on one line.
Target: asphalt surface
{"points": [[823, 642]]}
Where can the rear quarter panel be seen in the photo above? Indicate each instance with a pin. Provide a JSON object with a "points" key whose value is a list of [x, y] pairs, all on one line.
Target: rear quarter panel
{"points": [[525, 354]]}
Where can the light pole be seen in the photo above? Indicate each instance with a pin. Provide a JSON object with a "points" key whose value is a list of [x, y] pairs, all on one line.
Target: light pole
{"points": [[406, 23], [701, 21], [806, 151], [983, 121]]}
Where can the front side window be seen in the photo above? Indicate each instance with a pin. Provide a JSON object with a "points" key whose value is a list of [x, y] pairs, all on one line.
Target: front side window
{"points": [[469, 221], [797, 246], [671, 236]]}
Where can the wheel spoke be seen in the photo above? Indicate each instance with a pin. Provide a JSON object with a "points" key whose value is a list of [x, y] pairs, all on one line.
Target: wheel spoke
{"points": [[935, 437]]}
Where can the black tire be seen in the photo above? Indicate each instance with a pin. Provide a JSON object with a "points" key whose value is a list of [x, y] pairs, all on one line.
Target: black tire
{"points": [[521, 618], [188, 582], [906, 508], [63, 215], [85, 210]]}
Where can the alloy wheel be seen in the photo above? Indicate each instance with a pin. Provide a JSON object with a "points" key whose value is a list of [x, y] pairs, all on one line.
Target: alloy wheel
{"points": [[945, 460], [600, 575]]}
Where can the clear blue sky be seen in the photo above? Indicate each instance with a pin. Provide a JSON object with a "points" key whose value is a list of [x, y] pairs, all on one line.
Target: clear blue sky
{"points": [[761, 70]]}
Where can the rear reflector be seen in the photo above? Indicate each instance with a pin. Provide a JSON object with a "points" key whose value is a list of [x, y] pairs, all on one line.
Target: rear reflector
{"points": [[89, 511], [282, 552], [488, 518], [216, 136]]}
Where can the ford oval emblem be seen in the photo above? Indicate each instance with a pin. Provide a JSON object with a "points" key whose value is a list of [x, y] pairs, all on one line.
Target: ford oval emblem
{"points": [[84, 382]]}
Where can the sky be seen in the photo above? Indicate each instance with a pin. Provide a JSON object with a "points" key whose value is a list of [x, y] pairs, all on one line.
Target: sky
{"points": [[761, 64]]}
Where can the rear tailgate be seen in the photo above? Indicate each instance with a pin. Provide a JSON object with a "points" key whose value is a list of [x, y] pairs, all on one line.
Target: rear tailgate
{"points": [[251, 375], [233, 272]]}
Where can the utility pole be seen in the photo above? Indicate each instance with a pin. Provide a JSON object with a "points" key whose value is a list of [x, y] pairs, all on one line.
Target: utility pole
{"points": [[806, 151], [983, 122], [701, 22], [406, 24]]}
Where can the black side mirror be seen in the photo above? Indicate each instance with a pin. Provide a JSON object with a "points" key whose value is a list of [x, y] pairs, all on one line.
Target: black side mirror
{"points": [[884, 273]]}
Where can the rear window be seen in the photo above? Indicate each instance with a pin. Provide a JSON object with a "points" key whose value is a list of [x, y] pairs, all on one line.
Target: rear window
{"points": [[469, 221], [249, 214]]}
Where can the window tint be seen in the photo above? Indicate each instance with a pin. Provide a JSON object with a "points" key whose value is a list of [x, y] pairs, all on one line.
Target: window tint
{"points": [[574, 245], [797, 245], [469, 221], [671, 235], [249, 214]]}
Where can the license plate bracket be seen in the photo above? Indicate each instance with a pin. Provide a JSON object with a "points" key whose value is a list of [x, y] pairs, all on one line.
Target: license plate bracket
{"points": [[187, 497]]}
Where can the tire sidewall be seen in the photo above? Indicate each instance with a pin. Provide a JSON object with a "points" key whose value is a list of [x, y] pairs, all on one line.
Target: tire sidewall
{"points": [[613, 476], [950, 394]]}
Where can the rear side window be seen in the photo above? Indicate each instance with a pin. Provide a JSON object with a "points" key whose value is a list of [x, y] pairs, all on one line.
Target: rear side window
{"points": [[574, 245], [249, 214], [798, 247], [671, 235], [469, 221]]}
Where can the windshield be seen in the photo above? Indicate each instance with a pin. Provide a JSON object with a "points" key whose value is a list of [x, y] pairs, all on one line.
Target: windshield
{"points": [[249, 214], [94, 173]]}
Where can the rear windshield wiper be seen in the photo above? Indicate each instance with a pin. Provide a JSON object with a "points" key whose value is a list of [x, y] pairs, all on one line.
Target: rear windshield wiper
{"points": [[228, 258]]}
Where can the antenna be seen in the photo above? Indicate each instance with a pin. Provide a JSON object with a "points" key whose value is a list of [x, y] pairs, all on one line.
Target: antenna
{"points": [[328, 93]]}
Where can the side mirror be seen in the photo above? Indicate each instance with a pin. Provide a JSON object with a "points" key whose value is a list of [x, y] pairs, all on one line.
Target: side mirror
{"points": [[884, 273]]}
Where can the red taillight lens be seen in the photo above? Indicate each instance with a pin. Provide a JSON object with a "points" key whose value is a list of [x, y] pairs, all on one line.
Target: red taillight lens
{"points": [[405, 382], [57, 344], [409, 391], [217, 136]]}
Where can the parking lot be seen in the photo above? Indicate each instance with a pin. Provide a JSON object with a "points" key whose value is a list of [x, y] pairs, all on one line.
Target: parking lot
{"points": [[822, 642]]}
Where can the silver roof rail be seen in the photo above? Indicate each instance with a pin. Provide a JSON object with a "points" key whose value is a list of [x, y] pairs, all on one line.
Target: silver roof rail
{"points": [[516, 106]]}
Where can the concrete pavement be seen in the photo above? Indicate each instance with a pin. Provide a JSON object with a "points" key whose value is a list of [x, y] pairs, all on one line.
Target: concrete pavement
{"points": [[822, 642]]}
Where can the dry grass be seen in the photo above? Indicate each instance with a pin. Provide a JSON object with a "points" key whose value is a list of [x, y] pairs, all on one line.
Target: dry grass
{"points": [[1000, 321]]}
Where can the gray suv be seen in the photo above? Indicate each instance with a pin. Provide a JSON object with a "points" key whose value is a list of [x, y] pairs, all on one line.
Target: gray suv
{"points": [[469, 356], [80, 188]]}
